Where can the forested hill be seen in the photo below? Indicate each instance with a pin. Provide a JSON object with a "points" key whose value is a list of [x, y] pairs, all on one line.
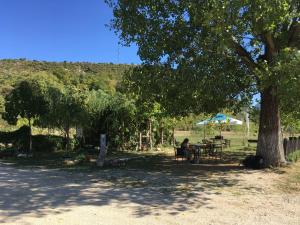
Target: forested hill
{"points": [[88, 75]]}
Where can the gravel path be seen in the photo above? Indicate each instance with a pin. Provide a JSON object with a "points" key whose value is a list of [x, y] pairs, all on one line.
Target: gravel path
{"points": [[120, 196]]}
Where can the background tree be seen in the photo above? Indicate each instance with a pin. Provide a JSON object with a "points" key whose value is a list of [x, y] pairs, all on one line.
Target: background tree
{"points": [[226, 48], [26, 100], [290, 98], [139, 84], [121, 119], [96, 104], [113, 115], [65, 110]]}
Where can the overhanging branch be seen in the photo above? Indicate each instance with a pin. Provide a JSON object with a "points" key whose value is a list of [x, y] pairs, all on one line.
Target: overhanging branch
{"points": [[245, 57]]}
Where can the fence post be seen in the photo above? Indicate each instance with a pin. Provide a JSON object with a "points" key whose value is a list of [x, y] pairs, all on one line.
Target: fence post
{"points": [[102, 153], [285, 146]]}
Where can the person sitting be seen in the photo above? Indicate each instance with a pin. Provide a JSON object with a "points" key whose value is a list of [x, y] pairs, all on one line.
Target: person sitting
{"points": [[185, 147]]}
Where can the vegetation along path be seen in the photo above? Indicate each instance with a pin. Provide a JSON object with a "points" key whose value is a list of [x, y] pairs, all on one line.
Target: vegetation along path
{"points": [[180, 194]]}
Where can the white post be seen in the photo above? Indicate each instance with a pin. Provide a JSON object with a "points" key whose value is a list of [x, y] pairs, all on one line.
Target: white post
{"points": [[103, 149], [247, 124]]}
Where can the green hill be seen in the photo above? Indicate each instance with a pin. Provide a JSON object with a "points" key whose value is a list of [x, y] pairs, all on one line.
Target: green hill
{"points": [[81, 74]]}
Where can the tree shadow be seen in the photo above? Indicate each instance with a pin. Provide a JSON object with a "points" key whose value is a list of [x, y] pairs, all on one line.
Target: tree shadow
{"points": [[165, 185]]}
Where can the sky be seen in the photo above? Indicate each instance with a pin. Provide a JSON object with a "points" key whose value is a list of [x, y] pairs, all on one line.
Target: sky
{"points": [[60, 30]]}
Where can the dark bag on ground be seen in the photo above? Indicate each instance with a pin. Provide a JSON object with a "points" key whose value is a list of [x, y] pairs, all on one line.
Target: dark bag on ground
{"points": [[253, 162]]}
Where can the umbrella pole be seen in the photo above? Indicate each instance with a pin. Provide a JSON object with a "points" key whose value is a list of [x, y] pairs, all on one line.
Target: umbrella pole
{"points": [[204, 131]]}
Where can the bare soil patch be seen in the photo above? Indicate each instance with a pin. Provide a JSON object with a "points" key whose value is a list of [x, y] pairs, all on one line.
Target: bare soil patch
{"points": [[220, 193]]}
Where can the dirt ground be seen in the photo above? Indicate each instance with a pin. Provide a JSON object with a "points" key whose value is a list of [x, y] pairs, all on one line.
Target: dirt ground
{"points": [[203, 194]]}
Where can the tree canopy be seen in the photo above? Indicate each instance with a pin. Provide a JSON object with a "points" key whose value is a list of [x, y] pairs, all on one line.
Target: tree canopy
{"points": [[226, 41], [26, 100]]}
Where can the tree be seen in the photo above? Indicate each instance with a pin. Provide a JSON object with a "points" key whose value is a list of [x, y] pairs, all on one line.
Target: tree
{"points": [[139, 85], [113, 115], [65, 109], [241, 46], [290, 102], [26, 100]]}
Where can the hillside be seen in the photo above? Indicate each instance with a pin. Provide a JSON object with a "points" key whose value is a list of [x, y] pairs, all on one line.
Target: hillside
{"points": [[82, 74]]}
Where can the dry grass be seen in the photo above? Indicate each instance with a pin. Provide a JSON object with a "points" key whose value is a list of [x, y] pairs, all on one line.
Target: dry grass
{"points": [[290, 182]]}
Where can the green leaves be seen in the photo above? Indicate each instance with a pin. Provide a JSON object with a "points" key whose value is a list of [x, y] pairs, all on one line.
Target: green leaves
{"points": [[26, 100], [65, 108], [201, 54], [114, 115], [84, 76]]}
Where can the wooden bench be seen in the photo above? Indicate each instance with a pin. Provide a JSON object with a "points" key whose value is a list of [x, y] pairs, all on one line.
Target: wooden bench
{"points": [[252, 141]]}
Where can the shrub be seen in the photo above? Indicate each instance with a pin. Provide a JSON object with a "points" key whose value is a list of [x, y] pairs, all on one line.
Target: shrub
{"points": [[19, 138], [294, 156], [46, 143], [8, 152], [80, 158]]}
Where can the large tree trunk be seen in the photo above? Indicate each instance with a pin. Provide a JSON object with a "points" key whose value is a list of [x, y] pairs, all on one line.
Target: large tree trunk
{"points": [[270, 145]]}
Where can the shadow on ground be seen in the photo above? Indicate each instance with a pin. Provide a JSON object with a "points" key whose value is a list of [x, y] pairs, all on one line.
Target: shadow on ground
{"points": [[162, 184]]}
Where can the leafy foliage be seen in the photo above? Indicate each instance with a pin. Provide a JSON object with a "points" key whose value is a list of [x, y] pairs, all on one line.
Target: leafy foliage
{"points": [[19, 138], [82, 75], [26, 100], [65, 108], [113, 115], [217, 54], [213, 52]]}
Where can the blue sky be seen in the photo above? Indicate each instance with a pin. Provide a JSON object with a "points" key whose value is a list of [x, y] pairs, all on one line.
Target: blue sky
{"points": [[58, 30]]}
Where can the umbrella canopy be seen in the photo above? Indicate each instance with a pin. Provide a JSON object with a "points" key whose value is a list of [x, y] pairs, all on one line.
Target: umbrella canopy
{"points": [[221, 119]]}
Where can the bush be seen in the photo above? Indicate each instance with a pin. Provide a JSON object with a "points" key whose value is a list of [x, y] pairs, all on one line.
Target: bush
{"points": [[46, 143], [8, 152], [294, 156], [80, 158], [19, 138]]}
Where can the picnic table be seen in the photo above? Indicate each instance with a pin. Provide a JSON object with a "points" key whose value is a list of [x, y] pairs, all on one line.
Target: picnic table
{"points": [[201, 148], [197, 150], [211, 148]]}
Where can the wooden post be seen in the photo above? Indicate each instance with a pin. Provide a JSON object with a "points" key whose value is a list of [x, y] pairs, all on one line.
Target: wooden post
{"points": [[30, 137], [103, 149], [140, 141], [162, 136], [173, 137], [150, 134]]}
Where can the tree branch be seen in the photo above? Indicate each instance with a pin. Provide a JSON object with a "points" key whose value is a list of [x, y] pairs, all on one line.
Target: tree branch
{"points": [[245, 57], [271, 48]]}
